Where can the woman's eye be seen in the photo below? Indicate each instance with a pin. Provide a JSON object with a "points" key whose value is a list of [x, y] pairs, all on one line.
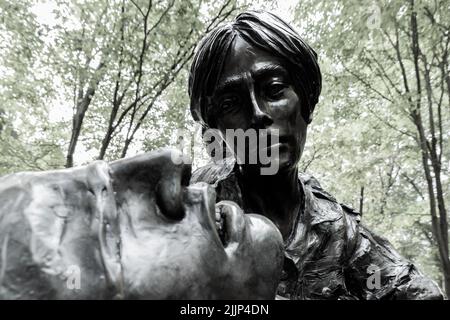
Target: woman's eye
{"points": [[275, 90], [229, 102]]}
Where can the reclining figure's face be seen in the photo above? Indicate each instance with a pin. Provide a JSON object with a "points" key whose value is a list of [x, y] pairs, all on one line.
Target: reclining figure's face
{"points": [[130, 229]]}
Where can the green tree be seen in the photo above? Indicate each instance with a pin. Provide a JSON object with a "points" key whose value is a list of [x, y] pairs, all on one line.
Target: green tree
{"points": [[386, 80], [27, 141]]}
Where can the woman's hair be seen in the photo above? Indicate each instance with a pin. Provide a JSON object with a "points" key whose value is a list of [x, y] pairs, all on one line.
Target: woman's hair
{"points": [[264, 31]]}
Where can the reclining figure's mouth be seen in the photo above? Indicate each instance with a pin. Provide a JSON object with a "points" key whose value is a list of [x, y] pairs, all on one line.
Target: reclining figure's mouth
{"points": [[220, 219], [221, 226]]}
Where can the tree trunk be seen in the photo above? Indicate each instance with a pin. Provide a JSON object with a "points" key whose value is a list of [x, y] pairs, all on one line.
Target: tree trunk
{"points": [[77, 122], [361, 201]]}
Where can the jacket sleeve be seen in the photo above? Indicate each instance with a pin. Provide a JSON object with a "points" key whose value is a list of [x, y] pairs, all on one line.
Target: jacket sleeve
{"points": [[375, 270]]}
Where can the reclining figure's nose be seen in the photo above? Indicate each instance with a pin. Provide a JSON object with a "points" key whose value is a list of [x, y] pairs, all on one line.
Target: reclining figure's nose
{"points": [[156, 172], [169, 192]]}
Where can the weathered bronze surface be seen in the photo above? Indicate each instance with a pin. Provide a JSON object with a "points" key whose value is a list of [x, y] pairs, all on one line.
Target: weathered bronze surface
{"points": [[257, 73], [136, 229], [130, 229]]}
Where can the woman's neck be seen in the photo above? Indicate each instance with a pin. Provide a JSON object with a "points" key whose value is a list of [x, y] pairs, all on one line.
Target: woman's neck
{"points": [[278, 197]]}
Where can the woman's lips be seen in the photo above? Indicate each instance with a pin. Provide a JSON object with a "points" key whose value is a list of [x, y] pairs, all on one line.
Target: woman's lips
{"points": [[279, 147]]}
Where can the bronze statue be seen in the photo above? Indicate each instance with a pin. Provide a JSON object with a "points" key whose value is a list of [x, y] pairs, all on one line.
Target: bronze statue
{"points": [[257, 73], [130, 229], [143, 228]]}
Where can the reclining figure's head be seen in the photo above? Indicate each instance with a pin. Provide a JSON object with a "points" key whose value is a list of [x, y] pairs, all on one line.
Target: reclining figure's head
{"points": [[130, 229]]}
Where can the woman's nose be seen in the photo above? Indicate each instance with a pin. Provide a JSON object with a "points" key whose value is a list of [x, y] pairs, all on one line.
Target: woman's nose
{"points": [[260, 118]]}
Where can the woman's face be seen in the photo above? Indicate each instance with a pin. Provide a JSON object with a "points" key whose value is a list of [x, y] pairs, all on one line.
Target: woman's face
{"points": [[255, 91], [131, 229]]}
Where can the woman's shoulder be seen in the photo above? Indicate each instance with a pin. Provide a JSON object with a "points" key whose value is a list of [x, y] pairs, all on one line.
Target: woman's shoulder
{"points": [[322, 205]]}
